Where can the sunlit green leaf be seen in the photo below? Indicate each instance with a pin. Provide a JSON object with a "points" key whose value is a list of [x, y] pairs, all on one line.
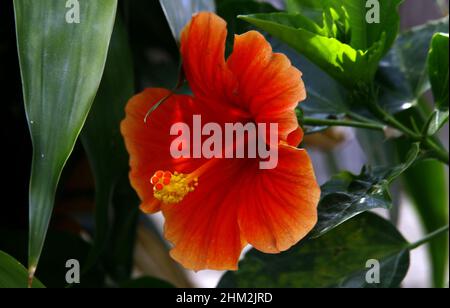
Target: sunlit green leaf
{"points": [[13, 274], [344, 44], [365, 32], [336, 58], [61, 65], [337, 259], [347, 195]]}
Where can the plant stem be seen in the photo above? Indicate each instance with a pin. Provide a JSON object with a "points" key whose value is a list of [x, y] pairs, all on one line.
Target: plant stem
{"points": [[428, 238], [439, 153], [328, 122]]}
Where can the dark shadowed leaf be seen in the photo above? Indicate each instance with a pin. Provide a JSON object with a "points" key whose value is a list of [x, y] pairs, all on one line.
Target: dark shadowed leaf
{"points": [[61, 65], [347, 195], [430, 197], [402, 75], [107, 155], [337, 259]]}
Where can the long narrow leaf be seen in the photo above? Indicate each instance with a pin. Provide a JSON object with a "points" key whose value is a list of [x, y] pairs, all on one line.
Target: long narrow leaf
{"points": [[106, 151], [61, 60]]}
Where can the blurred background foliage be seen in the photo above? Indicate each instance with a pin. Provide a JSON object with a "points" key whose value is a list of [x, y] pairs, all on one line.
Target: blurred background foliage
{"points": [[96, 218]]}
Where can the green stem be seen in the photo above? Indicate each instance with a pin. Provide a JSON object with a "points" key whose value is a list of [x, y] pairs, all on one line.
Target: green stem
{"points": [[439, 152], [328, 122], [428, 238], [355, 116]]}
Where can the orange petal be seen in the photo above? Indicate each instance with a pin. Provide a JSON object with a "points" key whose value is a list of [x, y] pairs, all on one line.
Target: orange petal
{"points": [[203, 53], [148, 143], [204, 226], [268, 83], [282, 207]]}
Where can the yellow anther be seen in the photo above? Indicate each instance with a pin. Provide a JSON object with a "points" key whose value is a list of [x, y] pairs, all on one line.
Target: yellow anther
{"points": [[172, 188]]}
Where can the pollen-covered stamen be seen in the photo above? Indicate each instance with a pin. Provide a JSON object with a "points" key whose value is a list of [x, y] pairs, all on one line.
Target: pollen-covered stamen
{"points": [[172, 188]]}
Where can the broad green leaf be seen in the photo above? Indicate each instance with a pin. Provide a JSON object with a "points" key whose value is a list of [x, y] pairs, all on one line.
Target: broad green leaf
{"points": [[337, 259], [310, 8], [106, 151], [344, 44], [365, 32], [61, 65], [146, 282], [13, 274], [438, 71], [297, 5], [402, 76], [427, 186], [178, 13], [347, 195], [338, 59], [325, 97]]}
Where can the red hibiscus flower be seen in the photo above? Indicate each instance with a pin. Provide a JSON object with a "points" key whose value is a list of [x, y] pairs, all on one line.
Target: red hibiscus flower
{"points": [[214, 207]]}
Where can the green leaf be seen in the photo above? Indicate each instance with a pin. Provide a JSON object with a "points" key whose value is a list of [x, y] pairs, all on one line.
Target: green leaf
{"points": [[438, 71], [61, 65], [427, 186], [403, 79], [347, 195], [297, 6], [402, 76], [106, 151], [365, 34], [13, 274], [430, 198], [146, 282], [344, 45], [178, 13], [337, 259], [437, 120], [339, 60], [325, 97], [310, 8]]}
